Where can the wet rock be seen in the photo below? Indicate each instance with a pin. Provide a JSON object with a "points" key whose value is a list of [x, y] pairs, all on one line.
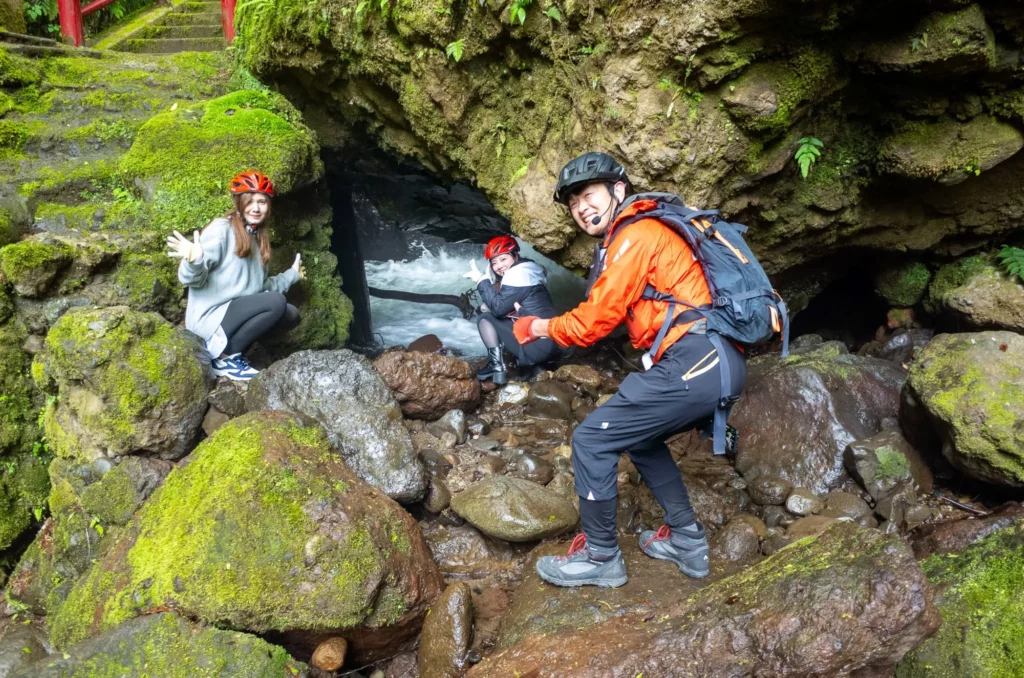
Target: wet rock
{"points": [[463, 552], [851, 600], [93, 357], [478, 428], [353, 404], [551, 399], [915, 516], [969, 389], [803, 502], [402, 666], [893, 506], [806, 527], [772, 516], [957, 535], [228, 397], [427, 385], [798, 414], [448, 440], [885, 459], [168, 646], [454, 422], [290, 516], [739, 539], [438, 497], [533, 468], [587, 378], [436, 463], [551, 432], [23, 642], [583, 411], [978, 592], [492, 603], [769, 490], [514, 394], [771, 545], [428, 343], [330, 654], [484, 444], [514, 509], [902, 346], [989, 299], [213, 420], [444, 642], [846, 504]]}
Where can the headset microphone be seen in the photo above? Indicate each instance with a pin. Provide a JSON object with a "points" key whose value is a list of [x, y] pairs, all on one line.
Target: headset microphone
{"points": [[596, 221]]}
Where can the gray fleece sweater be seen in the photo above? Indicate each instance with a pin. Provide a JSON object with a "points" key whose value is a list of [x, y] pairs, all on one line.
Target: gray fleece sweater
{"points": [[220, 275]]}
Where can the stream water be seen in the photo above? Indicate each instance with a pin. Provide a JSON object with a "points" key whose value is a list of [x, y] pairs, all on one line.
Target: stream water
{"points": [[439, 271]]}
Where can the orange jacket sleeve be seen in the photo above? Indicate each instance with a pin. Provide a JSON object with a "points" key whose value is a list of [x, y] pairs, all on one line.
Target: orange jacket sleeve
{"points": [[616, 289]]}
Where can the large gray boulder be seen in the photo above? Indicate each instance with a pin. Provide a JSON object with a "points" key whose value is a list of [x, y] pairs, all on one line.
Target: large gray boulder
{"points": [[514, 509], [343, 392]]}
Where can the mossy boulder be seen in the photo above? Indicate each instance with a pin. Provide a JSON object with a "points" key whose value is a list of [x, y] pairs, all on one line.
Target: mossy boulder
{"points": [[969, 390], [266, 530], [979, 596], [12, 17], [948, 151], [168, 646], [182, 161], [951, 276], [902, 285], [89, 504], [126, 383], [987, 299], [23, 489], [31, 266]]}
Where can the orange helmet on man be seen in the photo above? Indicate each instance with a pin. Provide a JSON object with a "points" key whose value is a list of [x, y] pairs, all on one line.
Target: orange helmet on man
{"points": [[252, 181]]}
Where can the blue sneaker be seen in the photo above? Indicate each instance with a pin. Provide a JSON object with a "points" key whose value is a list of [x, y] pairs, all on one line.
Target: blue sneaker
{"points": [[690, 553], [579, 568], [234, 367]]}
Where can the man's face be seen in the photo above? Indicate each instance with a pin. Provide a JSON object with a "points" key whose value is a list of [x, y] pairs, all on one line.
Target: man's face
{"points": [[594, 200]]}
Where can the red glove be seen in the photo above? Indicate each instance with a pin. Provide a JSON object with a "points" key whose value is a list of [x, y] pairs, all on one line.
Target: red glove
{"points": [[523, 329]]}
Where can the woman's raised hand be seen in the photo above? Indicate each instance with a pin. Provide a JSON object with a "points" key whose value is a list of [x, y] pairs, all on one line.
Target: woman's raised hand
{"points": [[298, 267], [474, 273], [179, 247]]}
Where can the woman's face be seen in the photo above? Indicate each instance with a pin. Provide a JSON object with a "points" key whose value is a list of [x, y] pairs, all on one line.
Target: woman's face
{"points": [[502, 263], [256, 211]]}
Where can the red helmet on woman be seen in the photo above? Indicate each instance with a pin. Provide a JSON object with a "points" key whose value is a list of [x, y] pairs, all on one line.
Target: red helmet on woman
{"points": [[503, 244], [252, 182]]}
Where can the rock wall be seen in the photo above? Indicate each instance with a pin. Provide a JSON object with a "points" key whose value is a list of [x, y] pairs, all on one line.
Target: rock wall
{"points": [[918, 107]]}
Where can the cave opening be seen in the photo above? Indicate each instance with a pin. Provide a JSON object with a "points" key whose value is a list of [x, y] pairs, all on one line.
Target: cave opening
{"points": [[399, 228]]}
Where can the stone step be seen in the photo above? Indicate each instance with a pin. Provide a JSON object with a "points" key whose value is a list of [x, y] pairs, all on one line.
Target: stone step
{"points": [[183, 19], [213, 31], [172, 45], [202, 7]]}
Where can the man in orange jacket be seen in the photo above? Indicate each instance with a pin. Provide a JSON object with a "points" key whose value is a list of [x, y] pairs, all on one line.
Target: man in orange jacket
{"points": [[681, 387]]}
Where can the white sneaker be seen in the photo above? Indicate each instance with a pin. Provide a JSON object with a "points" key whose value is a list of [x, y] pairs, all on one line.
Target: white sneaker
{"points": [[234, 367]]}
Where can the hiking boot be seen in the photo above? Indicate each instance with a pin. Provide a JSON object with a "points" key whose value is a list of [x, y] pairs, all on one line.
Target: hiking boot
{"points": [[583, 566], [690, 553], [234, 367], [495, 368]]}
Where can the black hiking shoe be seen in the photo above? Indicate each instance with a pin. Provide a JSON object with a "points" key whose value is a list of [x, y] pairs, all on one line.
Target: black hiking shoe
{"points": [[690, 553], [579, 567], [495, 368]]}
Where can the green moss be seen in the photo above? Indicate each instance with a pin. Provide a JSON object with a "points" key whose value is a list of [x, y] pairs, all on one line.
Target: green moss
{"points": [[231, 537], [903, 286], [951, 276], [892, 465], [193, 153], [982, 607], [26, 259], [151, 282], [12, 136], [16, 71], [24, 486]]}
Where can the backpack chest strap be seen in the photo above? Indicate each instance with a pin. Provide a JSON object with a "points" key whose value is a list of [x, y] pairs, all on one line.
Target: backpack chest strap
{"points": [[693, 314]]}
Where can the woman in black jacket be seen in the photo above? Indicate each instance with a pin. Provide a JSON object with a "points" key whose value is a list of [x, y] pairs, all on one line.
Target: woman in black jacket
{"points": [[521, 290]]}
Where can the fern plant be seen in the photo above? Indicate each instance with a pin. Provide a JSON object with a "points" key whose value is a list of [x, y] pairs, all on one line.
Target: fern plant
{"points": [[807, 153], [454, 50], [1012, 259]]}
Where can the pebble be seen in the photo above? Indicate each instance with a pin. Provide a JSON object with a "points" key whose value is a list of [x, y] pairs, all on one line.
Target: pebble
{"points": [[803, 502], [769, 490]]}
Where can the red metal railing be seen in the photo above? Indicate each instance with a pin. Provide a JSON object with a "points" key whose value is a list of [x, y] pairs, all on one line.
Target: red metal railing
{"points": [[71, 13]]}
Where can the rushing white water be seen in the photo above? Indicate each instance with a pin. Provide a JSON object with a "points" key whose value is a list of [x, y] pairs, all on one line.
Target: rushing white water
{"points": [[440, 272]]}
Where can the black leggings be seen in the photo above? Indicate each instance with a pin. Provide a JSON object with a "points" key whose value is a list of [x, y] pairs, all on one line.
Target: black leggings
{"points": [[249, 318], [534, 353]]}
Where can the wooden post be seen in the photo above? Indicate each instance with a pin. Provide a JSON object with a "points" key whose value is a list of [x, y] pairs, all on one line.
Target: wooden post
{"points": [[70, 13], [227, 17]]}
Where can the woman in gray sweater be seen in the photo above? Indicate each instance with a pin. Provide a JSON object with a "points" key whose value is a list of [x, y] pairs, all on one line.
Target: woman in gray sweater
{"points": [[231, 300]]}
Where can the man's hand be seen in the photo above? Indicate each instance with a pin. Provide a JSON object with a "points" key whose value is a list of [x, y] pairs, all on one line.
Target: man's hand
{"points": [[298, 267], [474, 273], [179, 247], [523, 330]]}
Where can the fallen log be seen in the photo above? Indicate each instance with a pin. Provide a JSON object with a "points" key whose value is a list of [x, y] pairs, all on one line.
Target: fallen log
{"points": [[462, 301]]}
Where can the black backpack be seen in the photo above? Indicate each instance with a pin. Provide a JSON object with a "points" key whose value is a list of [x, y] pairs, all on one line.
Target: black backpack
{"points": [[745, 307]]}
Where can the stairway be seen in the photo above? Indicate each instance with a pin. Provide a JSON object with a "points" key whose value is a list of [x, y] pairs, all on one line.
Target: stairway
{"points": [[186, 27]]}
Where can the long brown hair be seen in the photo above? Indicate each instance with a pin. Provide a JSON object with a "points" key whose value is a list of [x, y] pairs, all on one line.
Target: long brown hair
{"points": [[242, 246]]}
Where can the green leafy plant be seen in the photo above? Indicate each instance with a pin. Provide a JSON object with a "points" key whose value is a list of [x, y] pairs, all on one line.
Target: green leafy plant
{"points": [[517, 11], [500, 136], [1012, 260], [95, 524], [668, 85], [41, 17], [454, 50], [553, 14], [919, 42], [807, 153]]}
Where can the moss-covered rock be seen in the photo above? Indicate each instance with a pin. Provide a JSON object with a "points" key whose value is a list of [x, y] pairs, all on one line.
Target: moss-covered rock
{"points": [[949, 152], [12, 18], [31, 266], [903, 285], [185, 159], [952, 276], [988, 299], [971, 390], [127, 382], [264, 529], [979, 596], [168, 646]]}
